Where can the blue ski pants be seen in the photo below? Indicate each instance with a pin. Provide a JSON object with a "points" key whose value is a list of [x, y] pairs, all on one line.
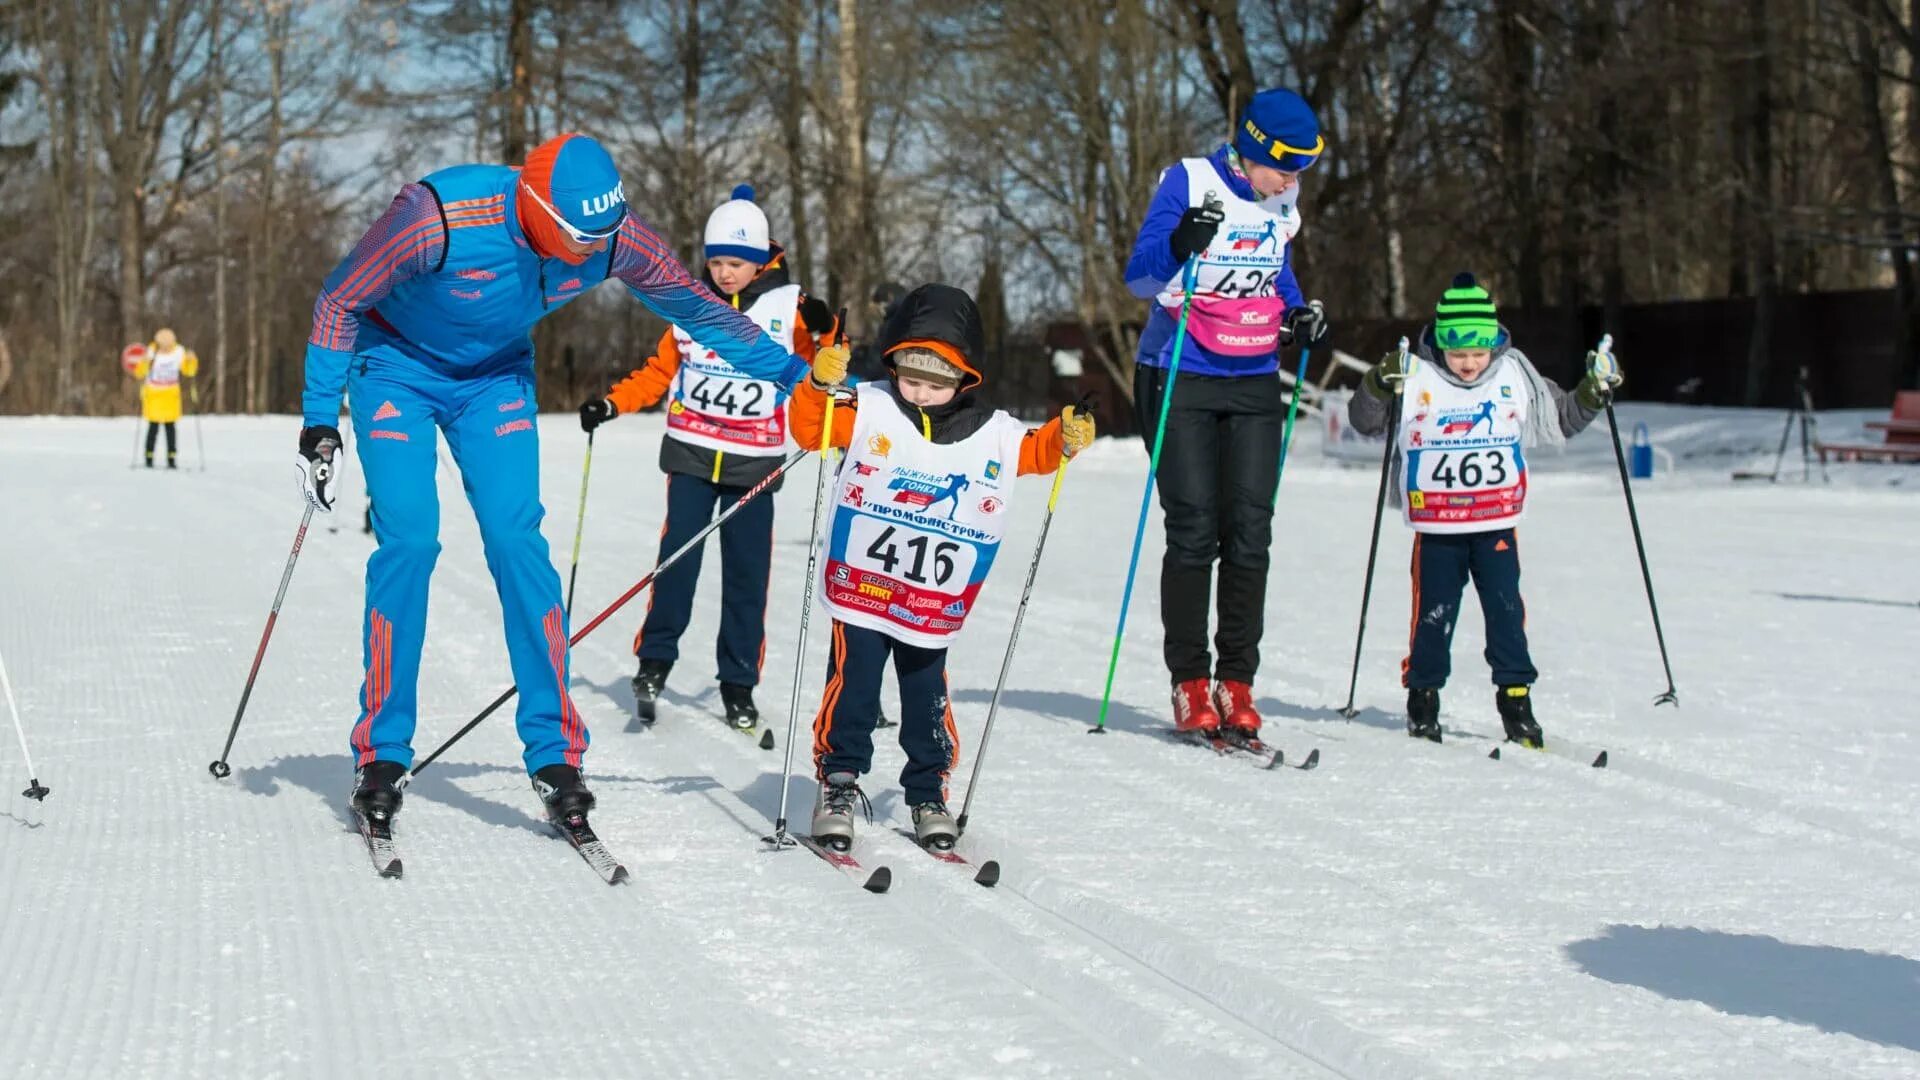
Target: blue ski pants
{"points": [[746, 560], [850, 708], [1442, 564], [490, 423]]}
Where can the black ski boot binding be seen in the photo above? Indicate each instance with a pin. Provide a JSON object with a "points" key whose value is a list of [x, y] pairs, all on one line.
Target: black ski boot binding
{"points": [[741, 713], [376, 790], [1423, 714], [564, 792], [1516, 715], [647, 684]]}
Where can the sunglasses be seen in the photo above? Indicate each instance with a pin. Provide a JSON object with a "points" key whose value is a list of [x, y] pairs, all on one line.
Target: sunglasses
{"points": [[566, 226]]}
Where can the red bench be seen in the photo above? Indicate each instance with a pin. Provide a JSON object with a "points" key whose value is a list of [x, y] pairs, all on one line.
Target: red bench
{"points": [[1902, 435]]}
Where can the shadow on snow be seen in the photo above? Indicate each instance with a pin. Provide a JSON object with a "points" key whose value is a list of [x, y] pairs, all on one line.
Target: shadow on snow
{"points": [[1869, 995]]}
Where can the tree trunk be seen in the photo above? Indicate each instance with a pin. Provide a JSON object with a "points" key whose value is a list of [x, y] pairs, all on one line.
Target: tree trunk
{"points": [[1519, 156], [279, 26], [219, 216], [1887, 189], [693, 194], [513, 141], [849, 240], [1764, 254], [793, 138]]}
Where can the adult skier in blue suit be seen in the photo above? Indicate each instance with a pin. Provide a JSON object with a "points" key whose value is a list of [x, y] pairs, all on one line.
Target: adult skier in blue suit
{"points": [[426, 327]]}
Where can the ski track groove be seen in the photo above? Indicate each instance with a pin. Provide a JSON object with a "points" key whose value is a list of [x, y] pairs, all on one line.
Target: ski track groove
{"points": [[1133, 950], [1196, 798]]}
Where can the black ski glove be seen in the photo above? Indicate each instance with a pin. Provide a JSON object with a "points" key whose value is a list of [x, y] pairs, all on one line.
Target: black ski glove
{"points": [[816, 315], [1195, 230], [319, 445], [1305, 325], [595, 412]]}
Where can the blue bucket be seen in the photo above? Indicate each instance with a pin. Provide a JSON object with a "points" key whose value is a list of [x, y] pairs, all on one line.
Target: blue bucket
{"points": [[1640, 458]]}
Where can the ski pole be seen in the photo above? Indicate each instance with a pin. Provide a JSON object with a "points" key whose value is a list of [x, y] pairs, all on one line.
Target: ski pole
{"points": [[1006, 662], [1188, 280], [1286, 436], [1670, 696], [219, 767], [780, 839], [35, 790], [579, 526], [1373, 546], [638, 586]]}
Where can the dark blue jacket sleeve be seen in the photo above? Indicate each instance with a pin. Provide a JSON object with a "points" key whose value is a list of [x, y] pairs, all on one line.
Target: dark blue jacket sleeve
{"points": [[656, 279], [1152, 265]]}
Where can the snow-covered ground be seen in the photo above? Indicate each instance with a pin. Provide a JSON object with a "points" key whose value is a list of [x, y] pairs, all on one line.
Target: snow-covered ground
{"points": [[1734, 897]]}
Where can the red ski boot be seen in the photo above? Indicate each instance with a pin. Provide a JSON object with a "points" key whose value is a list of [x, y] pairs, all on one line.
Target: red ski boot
{"points": [[1192, 713], [1234, 702]]}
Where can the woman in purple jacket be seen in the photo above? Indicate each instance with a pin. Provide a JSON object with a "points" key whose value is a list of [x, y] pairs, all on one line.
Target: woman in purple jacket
{"points": [[1232, 213]]}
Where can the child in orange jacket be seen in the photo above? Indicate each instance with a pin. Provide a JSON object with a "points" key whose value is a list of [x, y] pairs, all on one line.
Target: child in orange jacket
{"points": [[918, 514], [725, 432]]}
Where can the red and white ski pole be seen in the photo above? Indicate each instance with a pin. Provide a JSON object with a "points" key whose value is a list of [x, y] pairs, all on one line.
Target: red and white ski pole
{"points": [[219, 767]]}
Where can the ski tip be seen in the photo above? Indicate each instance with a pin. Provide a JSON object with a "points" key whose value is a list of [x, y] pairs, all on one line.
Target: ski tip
{"points": [[879, 881], [392, 870], [989, 874], [1601, 761], [619, 875], [1312, 761], [1496, 754], [766, 739]]}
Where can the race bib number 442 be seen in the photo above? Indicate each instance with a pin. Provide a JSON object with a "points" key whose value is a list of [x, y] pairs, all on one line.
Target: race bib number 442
{"points": [[735, 398]]}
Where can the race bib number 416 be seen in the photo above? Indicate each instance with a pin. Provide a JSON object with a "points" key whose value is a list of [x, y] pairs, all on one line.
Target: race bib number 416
{"points": [[925, 560]]}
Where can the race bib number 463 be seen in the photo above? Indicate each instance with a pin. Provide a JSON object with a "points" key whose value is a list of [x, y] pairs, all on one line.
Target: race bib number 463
{"points": [[1483, 469]]}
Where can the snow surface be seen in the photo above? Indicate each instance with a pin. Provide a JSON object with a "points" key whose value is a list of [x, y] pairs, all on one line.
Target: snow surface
{"points": [[1734, 897]]}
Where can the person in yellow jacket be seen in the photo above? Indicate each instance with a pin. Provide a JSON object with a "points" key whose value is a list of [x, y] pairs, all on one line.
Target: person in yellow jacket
{"points": [[160, 373]]}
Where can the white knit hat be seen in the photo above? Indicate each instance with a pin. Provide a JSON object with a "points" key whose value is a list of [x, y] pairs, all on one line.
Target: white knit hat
{"points": [[738, 228]]}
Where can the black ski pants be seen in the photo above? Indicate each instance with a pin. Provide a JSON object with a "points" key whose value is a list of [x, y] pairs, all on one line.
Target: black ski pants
{"points": [[1218, 469], [153, 431]]}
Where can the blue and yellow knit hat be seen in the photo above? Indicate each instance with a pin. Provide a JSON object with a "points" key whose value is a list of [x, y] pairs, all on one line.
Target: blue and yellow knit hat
{"points": [[1465, 317], [1278, 129]]}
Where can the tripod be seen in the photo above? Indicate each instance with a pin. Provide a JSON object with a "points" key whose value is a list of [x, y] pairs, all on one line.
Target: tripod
{"points": [[1801, 414]]}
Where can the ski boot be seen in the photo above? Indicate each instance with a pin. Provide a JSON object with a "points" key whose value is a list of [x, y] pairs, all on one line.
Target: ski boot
{"points": [[376, 790], [833, 810], [1233, 702], [1193, 714], [933, 826], [647, 684], [564, 791], [1423, 714], [741, 713], [1516, 715]]}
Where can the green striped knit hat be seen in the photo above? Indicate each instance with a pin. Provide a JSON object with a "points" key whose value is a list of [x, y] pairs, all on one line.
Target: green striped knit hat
{"points": [[1465, 317]]}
